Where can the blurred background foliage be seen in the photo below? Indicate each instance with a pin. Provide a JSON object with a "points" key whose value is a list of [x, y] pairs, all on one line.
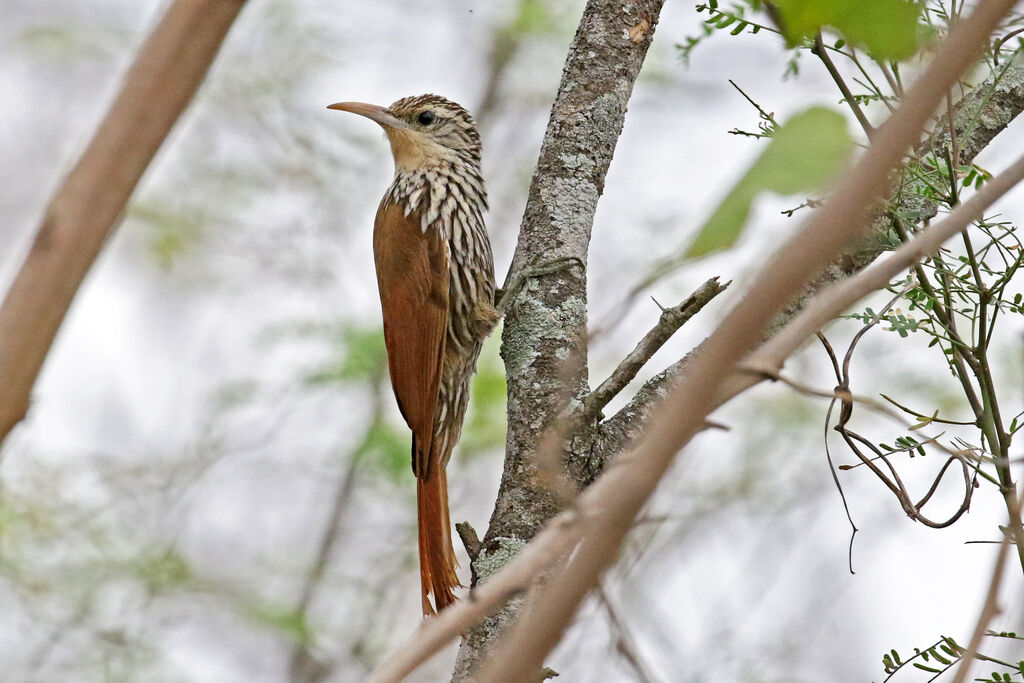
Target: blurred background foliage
{"points": [[214, 484]]}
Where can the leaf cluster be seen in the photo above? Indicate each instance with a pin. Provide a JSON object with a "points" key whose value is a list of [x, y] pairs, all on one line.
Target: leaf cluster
{"points": [[941, 656]]}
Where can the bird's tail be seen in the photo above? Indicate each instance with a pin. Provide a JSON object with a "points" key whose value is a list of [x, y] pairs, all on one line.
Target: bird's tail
{"points": [[437, 556]]}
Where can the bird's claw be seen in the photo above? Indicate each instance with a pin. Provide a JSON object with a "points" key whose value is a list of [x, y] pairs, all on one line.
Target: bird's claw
{"points": [[505, 296]]}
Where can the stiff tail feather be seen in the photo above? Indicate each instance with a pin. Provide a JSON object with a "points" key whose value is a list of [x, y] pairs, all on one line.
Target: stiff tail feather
{"points": [[437, 556]]}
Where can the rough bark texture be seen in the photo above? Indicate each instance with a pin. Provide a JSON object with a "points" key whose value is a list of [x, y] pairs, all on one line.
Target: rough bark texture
{"points": [[982, 114], [544, 338]]}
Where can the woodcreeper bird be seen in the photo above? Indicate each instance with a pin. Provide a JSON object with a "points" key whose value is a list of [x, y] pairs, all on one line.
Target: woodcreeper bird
{"points": [[435, 273]]}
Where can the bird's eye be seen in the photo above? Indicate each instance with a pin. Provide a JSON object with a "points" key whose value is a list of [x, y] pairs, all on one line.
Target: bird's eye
{"points": [[426, 118]]}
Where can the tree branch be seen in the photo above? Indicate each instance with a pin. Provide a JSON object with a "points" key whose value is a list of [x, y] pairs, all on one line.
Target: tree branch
{"points": [[303, 665], [158, 87], [830, 302], [545, 330], [980, 115], [670, 321]]}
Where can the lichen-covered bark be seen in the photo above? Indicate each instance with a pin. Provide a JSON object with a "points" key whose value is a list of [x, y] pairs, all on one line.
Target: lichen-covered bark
{"points": [[982, 114], [544, 338]]}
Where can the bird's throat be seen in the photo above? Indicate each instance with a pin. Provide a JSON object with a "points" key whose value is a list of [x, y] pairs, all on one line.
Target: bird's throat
{"points": [[414, 152]]}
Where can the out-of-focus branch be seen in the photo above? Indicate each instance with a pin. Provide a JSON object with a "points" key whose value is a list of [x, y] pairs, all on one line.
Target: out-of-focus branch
{"points": [[612, 503], [303, 666], [670, 321], [605, 511], [158, 87], [980, 115], [832, 301]]}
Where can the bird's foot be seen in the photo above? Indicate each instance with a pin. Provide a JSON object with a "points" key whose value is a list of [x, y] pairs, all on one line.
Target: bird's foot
{"points": [[506, 295]]}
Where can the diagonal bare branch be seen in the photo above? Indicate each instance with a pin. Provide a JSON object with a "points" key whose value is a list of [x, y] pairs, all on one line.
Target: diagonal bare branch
{"points": [[159, 85], [669, 322]]}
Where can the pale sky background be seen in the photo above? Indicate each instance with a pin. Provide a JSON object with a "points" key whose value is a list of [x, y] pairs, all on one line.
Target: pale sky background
{"points": [[133, 428]]}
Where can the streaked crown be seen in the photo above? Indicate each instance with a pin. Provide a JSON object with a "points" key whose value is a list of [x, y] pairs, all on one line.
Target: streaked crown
{"points": [[442, 121]]}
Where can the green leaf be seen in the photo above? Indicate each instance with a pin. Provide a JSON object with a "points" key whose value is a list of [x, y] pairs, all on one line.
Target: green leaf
{"points": [[803, 155], [485, 423], [165, 571], [533, 18], [171, 229], [359, 357], [887, 29], [284, 619], [386, 450]]}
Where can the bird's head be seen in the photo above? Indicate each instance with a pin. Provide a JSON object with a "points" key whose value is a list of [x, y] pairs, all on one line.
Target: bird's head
{"points": [[425, 131]]}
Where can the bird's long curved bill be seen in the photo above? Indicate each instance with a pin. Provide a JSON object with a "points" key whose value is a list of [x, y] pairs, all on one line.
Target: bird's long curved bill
{"points": [[381, 115]]}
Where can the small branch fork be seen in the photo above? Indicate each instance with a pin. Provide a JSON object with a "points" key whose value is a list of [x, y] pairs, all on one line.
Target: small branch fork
{"points": [[670, 321], [505, 296]]}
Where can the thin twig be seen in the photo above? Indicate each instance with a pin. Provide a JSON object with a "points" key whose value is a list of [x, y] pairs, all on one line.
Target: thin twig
{"points": [[303, 667], [828, 451], [624, 643], [927, 419], [822, 54]]}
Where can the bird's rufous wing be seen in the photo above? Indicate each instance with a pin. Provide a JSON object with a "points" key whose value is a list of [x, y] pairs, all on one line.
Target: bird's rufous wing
{"points": [[412, 275]]}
